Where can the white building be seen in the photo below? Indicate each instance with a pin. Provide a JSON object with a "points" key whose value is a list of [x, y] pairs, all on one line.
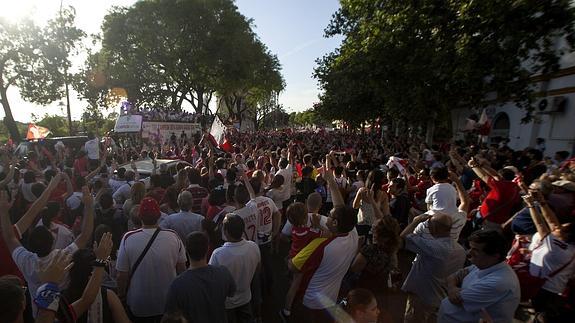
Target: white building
{"points": [[554, 116]]}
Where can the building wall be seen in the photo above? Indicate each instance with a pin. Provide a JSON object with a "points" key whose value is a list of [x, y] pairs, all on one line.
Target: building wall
{"points": [[558, 129]]}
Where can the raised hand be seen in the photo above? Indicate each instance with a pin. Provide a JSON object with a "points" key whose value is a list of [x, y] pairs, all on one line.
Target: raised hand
{"points": [[104, 248], [87, 197]]}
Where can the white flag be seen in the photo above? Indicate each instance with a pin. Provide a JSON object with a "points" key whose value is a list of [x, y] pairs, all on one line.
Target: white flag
{"points": [[218, 130]]}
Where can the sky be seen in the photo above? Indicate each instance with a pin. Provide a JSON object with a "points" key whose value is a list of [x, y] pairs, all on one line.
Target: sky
{"points": [[293, 30]]}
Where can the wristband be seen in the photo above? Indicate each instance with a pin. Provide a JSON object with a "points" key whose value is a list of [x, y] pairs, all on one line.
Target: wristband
{"points": [[101, 262], [48, 297]]}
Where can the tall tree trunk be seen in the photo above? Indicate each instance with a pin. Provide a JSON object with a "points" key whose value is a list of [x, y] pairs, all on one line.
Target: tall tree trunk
{"points": [[9, 119], [200, 107]]}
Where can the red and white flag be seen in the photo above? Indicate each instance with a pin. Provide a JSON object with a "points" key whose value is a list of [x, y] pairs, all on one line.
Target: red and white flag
{"points": [[218, 131], [36, 132], [484, 124]]}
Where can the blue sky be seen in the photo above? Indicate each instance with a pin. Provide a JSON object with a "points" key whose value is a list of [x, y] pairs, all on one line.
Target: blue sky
{"points": [[292, 29]]}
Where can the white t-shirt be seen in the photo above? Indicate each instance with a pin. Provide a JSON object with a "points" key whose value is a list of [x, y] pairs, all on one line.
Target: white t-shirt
{"points": [[63, 236], [151, 280], [325, 282], [275, 195], [442, 197], [266, 208], [92, 148], [285, 190], [549, 255], [30, 264], [250, 216], [286, 230], [241, 259]]}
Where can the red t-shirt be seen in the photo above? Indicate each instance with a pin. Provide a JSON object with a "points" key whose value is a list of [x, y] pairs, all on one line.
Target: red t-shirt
{"points": [[301, 237], [81, 166], [499, 202], [421, 189]]}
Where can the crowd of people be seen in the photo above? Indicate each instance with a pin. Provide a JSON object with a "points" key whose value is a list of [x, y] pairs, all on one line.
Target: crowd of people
{"points": [[159, 114], [487, 230]]}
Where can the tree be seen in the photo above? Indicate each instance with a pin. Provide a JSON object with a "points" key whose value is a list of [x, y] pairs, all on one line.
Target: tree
{"points": [[33, 59], [415, 59], [168, 53], [57, 125], [250, 78]]}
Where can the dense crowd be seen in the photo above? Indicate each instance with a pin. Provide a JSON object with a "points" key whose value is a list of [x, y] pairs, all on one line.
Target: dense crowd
{"points": [[489, 230], [158, 114]]}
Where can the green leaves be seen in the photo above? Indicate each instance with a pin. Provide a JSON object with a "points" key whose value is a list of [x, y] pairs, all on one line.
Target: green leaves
{"points": [[167, 53], [36, 60], [404, 58]]}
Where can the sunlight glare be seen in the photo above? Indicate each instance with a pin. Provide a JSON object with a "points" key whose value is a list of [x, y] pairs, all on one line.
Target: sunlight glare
{"points": [[36, 10]]}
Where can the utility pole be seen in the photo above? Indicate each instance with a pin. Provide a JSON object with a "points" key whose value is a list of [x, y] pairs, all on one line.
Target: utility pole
{"points": [[66, 83]]}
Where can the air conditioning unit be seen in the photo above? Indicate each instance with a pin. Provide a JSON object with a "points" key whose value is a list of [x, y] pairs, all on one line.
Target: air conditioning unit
{"points": [[556, 104]]}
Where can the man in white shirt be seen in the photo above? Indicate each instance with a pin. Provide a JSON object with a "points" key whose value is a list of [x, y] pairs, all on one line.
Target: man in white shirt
{"points": [[248, 213], [324, 261], [185, 221], [286, 171], [458, 219], [489, 285], [145, 292], [92, 148], [438, 256], [241, 258], [442, 196]]}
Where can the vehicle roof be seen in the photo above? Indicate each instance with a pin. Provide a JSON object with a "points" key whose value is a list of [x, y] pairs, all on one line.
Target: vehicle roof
{"points": [[145, 166]]}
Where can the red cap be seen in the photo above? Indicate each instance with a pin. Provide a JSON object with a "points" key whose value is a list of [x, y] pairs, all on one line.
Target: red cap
{"points": [[149, 210]]}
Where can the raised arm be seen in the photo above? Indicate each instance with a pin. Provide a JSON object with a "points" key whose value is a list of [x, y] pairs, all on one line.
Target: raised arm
{"points": [[10, 238], [30, 216], [333, 188], [92, 289], [88, 221], [10, 175], [478, 170], [247, 183], [463, 196], [416, 221], [548, 214], [358, 197], [538, 220]]}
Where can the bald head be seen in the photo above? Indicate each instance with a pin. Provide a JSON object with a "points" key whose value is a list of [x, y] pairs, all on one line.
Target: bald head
{"points": [[440, 225], [314, 202]]}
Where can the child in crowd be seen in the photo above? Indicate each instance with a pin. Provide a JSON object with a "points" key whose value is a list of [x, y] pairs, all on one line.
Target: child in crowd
{"points": [[301, 235]]}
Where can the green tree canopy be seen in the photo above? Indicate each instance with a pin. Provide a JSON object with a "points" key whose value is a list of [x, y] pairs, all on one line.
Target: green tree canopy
{"points": [[411, 59], [168, 53], [34, 59]]}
